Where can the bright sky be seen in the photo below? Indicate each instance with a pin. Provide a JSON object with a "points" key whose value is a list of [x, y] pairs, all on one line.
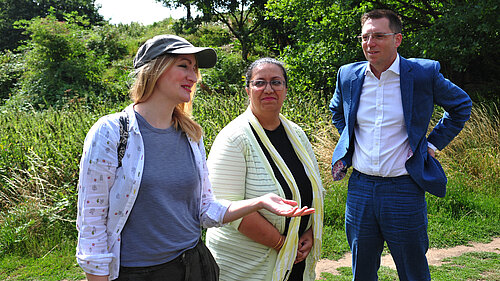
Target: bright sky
{"points": [[142, 11]]}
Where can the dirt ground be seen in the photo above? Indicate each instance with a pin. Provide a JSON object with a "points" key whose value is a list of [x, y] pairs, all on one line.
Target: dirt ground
{"points": [[434, 256]]}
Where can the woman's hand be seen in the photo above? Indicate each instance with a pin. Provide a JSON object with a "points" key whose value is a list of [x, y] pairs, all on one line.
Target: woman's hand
{"points": [[306, 242], [284, 207], [271, 202]]}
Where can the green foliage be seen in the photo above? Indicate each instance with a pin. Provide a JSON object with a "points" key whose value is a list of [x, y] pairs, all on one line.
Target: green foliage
{"points": [[460, 38], [58, 65], [215, 35], [68, 62], [14, 10], [243, 19], [334, 244], [186, 4], [24, 229], [107, 43], [213, 112], [325, 39], [456, 33], [227, 77], [10, 71]]}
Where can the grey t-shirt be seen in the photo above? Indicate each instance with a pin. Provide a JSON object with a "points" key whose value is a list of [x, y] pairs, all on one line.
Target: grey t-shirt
{"points": [[164, 221]]}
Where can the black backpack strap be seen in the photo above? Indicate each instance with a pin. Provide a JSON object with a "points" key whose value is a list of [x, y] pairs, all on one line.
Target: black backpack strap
{"points": [[122, 145]]}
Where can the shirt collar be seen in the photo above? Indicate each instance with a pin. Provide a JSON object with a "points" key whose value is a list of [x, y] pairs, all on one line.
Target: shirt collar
{"points": [[394, 67]]}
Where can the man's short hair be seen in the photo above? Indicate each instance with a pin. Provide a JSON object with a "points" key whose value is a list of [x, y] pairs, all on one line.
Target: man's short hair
{"points": [[394, 20]]}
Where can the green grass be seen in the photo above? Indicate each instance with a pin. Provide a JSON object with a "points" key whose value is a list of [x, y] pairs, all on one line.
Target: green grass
{"points": [[56, 264]]}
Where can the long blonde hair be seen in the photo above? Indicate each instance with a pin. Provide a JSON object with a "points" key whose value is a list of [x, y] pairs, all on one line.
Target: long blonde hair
{"points": [[142, 89]]}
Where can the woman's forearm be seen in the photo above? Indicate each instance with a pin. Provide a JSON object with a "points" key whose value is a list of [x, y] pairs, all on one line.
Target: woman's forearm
{"points": [[92, 277], [260, 230], [239, 209]]}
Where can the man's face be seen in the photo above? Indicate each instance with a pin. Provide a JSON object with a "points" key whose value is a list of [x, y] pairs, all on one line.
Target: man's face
{"points": [[380, 52]]}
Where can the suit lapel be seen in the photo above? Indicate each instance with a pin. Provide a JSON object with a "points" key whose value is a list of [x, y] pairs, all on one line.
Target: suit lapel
{"points": [[406, 83], [357, 80]]}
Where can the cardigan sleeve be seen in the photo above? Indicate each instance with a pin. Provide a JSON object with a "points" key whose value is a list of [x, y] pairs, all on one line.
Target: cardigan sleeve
{"points": [[227, 169], [97, 174], [212, 211]]}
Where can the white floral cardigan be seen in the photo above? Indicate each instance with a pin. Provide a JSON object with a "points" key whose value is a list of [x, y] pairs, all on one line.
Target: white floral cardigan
{"points": [[107, 194]]}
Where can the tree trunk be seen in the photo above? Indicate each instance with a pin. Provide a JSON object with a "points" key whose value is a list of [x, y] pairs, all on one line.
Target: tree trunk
{"points": [[188, 9], [244, 49]]}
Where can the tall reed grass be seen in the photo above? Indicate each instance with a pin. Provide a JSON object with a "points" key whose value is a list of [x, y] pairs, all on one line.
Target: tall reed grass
{"points": [[476, 150], [39, 157], [40, 153]]}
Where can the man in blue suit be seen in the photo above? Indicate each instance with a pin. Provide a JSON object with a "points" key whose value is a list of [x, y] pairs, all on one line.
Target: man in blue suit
{"points": [[382, 109]]}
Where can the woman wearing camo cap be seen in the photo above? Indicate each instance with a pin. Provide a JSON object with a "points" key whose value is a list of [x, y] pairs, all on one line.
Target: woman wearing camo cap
{"points": [[140, 214]]}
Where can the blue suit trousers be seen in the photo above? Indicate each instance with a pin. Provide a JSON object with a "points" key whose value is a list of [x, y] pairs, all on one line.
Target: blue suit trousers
{"points": [[393, 210]]}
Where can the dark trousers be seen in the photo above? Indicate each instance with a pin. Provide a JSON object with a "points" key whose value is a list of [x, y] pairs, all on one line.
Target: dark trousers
{"points": [[387, 209], [196, 264]]}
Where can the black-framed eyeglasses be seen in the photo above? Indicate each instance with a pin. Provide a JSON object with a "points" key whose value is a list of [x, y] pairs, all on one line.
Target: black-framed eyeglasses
{"points": [[377, 36], [277, 85]]}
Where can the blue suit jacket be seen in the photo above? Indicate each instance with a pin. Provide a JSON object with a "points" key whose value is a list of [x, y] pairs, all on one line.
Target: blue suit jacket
{"points": [[422, 86]]}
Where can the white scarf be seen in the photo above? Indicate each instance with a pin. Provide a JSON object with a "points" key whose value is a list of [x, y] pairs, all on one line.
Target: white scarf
{"points": [[288, 252]]}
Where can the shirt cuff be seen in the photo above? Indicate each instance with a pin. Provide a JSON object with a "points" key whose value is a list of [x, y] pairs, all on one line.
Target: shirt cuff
{"points": [[431, 146], [214, 215]]}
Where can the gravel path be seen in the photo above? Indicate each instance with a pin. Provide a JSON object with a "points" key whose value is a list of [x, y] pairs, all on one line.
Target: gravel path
{"points": [[434, 256]]}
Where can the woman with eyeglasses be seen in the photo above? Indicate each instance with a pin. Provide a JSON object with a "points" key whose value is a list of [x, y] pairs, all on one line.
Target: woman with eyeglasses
{"points": [[260, 152]]}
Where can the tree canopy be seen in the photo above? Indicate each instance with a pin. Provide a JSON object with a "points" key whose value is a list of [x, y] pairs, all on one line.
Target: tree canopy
{"points": [[76, 55], [242, 18], [14, 10], [459, 34]]}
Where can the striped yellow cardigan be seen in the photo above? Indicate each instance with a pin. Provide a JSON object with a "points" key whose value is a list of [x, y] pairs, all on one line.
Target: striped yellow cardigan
{"points": [[239, 170]]}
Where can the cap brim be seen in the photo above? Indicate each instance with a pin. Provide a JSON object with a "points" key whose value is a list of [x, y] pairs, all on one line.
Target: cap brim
{"points": [[205, 57]]}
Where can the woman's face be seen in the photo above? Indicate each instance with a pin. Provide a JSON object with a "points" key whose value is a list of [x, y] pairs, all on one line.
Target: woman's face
{"points": [[176, 82], [266, 97]]}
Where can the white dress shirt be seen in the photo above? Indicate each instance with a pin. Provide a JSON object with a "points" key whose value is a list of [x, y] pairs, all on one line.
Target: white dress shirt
{"points": [[381, 145]]}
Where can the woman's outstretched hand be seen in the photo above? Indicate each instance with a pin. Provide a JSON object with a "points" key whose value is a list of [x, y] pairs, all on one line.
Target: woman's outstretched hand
{"points": [[271, 202], [284, 207]]}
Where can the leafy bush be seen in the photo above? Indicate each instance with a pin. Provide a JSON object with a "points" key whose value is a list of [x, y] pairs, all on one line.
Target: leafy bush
{"points": [[10, 71], [107, 43], [58, 65], [460, 39], [210, 35], [227, 76], [325, 39], [456, 33]]}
